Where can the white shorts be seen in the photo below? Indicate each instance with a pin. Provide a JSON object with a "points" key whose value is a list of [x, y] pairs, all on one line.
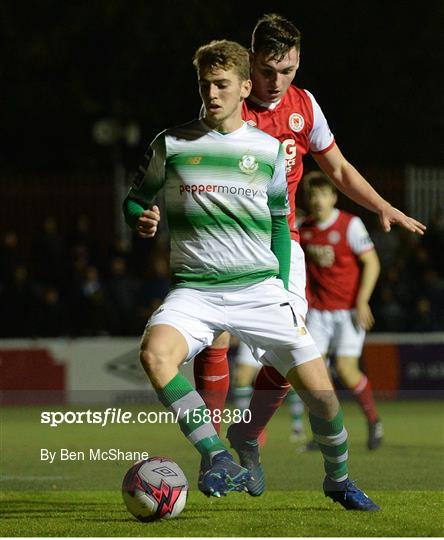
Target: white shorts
{"points": [[261, 315], [336, 332], [296, 291]]}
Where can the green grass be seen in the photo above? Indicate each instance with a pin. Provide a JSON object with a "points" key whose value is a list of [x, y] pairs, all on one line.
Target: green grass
{"points": [[276, 513], [405, 477]]}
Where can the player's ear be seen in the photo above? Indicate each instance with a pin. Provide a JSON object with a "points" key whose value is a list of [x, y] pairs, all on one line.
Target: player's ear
{"points": [[245, 88]]}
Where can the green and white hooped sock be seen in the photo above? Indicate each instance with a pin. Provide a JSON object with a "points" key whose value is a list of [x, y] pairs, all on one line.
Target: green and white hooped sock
{"points": [[242, 396], [181, 398], [331, 436]]}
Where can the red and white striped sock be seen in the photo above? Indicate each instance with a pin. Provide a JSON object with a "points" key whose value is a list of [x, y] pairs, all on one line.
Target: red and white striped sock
{"points": [[212, 378], [270, 390], [363, 394]]}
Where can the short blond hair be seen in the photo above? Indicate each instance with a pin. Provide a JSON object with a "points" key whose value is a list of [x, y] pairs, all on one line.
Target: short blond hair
{"points": [[223, 54]]}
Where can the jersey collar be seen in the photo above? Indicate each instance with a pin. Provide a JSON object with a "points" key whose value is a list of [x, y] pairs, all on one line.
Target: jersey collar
{"points": [[216, 133], [323, 225]]}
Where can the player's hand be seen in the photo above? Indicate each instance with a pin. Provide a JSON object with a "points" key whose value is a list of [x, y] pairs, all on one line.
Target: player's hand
{"points": [[148, 222], [364, 316], [389, 216]]}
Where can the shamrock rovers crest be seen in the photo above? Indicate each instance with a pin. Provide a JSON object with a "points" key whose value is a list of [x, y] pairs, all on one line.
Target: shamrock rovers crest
{"points": [[248, 164]]}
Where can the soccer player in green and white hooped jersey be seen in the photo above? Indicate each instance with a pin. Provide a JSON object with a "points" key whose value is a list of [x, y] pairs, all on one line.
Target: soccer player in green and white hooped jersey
{"points": [[219, 188], [226, 197]]}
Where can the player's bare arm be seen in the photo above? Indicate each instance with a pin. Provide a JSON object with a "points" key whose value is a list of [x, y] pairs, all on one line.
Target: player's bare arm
{"points": [[148, 222], [369, 275], [348, 180]]}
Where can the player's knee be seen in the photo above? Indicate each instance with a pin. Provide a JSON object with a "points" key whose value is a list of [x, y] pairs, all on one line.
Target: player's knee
{"points": [[146, 359], [341, 370], [153, 360], [347, 370]]}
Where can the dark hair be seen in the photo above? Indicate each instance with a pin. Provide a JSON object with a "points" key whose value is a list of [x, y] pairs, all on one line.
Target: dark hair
{"points": [[318, 179], [274, 35], [223, 54]]}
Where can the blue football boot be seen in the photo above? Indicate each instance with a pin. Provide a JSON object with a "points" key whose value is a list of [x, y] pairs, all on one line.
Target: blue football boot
{"points": [[248, 452], [222, 476], [348, 495]]}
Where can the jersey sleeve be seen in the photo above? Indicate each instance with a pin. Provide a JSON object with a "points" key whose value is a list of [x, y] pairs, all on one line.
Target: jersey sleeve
{"points": [[357, 236], [320, 137], [277, 192], [150, 175]]}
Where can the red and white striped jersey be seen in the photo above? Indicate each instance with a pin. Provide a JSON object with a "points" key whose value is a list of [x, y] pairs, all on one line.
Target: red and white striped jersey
{"points": [[331, 249], [299, 123]]}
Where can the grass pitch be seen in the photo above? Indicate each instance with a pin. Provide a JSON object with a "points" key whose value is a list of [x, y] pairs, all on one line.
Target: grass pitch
{"points": [[82, 498]]}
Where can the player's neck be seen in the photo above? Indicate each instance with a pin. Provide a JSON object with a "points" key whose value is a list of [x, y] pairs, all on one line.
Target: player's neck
{"points": [[327, 217], [264, 104], [227, 125]]}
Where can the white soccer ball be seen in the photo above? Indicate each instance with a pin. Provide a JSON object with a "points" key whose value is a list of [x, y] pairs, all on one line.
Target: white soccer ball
{"points": [[155, 488]]}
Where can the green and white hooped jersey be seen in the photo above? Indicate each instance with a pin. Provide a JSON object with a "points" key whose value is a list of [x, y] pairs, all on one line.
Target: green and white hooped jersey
{"points": [[220, 193]]}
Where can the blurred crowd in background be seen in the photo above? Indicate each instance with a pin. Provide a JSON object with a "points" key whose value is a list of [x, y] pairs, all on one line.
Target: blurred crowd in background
{"points": [[64, 285], [67, 286]]}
